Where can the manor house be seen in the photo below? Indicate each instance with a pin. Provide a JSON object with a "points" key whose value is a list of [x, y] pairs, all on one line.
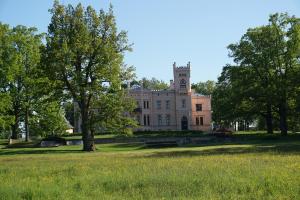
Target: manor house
{"points": [[177, 108]]}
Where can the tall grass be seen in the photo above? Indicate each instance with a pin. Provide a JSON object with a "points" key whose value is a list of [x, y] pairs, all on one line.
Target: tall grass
{"points": [[238, 171]]}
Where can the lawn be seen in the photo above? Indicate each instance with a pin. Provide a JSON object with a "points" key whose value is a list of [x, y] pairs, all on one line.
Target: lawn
{"points": [[255, 166], [144, 134]]}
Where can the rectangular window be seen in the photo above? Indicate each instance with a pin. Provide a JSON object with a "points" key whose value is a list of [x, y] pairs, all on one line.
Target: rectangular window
{"points": [[168, 119], [167, 104], [198, 107], [138, 119], [158, 104], [145, 120], [159, 120], [148, 120], [183, 103], [146, 104], [197, 121], [201, 121]]}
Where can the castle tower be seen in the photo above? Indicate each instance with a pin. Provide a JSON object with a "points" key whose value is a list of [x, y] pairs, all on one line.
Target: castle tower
{"points": [[182, 75], [182, 86]]}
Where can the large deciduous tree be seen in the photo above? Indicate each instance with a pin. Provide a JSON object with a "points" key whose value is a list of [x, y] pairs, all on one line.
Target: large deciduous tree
{"points": [[27, 76], [5, 102], [267, 60], [20, 77], [84, 55]]}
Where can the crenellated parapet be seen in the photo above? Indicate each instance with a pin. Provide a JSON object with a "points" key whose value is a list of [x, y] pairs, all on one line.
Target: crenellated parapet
{"points": [[187, 67]]}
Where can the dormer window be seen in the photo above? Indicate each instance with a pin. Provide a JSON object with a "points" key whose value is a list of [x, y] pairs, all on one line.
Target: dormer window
{"points": [[182, 83]]}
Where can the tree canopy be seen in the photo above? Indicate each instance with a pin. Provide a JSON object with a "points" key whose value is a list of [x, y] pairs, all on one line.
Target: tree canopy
{"points": [[263, 82], [84, 55], [23, 85], [205, 88]]}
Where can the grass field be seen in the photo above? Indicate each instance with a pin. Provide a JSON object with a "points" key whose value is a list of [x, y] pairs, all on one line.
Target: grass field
{"points": [[144, 134], [253, 166]]}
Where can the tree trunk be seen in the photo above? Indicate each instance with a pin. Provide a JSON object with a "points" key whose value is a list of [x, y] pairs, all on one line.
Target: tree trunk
{"points": [[88, 139], [283, 117], [269, 119], [87, 136], [26, 124], [15, 128], [235, 126]]}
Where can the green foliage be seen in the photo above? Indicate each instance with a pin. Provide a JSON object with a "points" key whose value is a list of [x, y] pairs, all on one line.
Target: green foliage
{"points": [[205, 88], [69, 112], [5, 103], [49, 119], [84, 56], [151, 84], [229, 100], [127, 73], [115, 114], [21, 81], [263, 82]]}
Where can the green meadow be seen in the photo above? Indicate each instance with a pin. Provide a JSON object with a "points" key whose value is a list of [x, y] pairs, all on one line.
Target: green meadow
{"points": [[247, 166]]}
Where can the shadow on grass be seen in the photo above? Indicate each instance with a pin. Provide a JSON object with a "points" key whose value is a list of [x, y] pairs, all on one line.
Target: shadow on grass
{"points": [[293, 149], [27, 151], [154, 134], [68, 149], [137, 145], [253, 139], [254, 143]]}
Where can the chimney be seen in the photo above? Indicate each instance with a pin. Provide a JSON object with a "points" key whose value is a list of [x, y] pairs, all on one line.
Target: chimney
{"points": [[171, 84], [189, 64]]}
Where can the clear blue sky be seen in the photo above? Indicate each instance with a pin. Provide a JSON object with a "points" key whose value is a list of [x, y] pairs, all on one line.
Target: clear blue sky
{"points": [[164, 31]]}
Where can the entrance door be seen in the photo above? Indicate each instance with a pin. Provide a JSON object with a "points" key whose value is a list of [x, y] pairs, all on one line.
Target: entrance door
{"points": [[184, 123]]}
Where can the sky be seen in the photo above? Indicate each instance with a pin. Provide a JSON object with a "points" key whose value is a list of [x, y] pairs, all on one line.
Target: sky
{"points": [[167, 31]]}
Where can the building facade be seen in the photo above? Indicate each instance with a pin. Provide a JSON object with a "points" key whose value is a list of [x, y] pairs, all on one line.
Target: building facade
{"points": [[177, 108]]}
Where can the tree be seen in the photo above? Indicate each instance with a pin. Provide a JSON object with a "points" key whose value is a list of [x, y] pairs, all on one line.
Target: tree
{"points": [[154, 84], [48, 119], [205, 88], [5, 119], [5, 103], [84, 55], [27, 49], [69, 112], [230, 100], [151, 84], [286, 51], [252, 53], [271, 56], [20, 56]]}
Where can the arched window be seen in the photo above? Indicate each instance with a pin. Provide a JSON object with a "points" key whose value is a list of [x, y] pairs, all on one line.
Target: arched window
{"points": [[182, 83]]}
